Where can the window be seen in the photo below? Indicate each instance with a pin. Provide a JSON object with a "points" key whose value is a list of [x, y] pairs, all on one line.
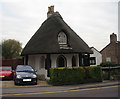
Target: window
{"points": [[92, 61], [108, 59], [62, 38]]}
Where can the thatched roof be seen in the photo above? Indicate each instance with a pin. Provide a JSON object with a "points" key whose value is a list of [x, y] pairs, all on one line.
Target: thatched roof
{"points": [[45, 40]]}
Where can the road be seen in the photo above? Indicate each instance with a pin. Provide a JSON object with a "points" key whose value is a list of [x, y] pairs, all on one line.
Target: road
{"points": [[60, 91]]}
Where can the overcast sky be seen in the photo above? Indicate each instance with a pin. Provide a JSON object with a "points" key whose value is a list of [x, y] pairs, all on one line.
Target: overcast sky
{"points": [[92, 20]]}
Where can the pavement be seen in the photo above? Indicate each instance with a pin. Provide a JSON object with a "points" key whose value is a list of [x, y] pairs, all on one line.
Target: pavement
{"points": [[95, 85], [8, 84]]}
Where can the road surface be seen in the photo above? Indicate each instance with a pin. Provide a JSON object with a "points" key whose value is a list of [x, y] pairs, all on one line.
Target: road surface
{"points": [[60, 91]]}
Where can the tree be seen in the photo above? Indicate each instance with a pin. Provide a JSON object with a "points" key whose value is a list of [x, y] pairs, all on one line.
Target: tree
{"points": [[11, 49]]}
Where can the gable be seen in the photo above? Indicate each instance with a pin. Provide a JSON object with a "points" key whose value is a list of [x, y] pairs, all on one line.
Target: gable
{"points": [[45, 40]]}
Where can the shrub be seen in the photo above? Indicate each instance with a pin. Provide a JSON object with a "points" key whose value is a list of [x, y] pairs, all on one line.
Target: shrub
{"points": [[107, 64], [60, 76], [113, 72], [105, 75], [93, 74], [75, 75]]}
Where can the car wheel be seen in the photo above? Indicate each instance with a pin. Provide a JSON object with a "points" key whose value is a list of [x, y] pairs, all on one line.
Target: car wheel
{"points": [[35, 83]]}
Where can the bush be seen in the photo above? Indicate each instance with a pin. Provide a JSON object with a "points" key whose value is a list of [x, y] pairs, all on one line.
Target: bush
{"points": [[93, 74], [107, 64], [113, 73], [105, 75], [67, 75], [75, 75]]}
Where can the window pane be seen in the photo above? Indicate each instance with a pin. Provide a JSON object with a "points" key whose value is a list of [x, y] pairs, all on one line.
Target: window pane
{"points": [[62, 38]]}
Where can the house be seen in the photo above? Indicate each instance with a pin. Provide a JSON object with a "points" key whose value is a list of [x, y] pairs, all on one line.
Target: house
{"points": [[95, 58], [55, 44], [111, 53]]}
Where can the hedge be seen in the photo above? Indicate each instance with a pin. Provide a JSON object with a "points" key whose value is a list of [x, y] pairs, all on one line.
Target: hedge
{"points": [[75, 75], [113, 72], [107, 64], [93, 74]]}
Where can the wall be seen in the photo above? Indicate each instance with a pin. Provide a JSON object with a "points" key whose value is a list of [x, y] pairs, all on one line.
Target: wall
{"points": [[12, 62], [98, 56], [35, 62], [68, 58], [112, 52]]}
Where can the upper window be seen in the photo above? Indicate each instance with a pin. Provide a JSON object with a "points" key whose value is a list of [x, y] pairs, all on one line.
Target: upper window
{"points": [[62, 38]]}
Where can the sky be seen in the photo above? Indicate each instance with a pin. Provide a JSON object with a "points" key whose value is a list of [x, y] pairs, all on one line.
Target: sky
{"points": [[92, 20]]}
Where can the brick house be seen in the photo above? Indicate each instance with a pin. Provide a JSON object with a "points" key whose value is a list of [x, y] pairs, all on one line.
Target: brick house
{"points": [[111, 53]]}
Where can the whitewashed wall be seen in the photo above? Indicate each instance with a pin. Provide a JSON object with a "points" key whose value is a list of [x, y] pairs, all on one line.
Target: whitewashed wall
{"points": [[35, 62], [98, 56], [68, 58]]}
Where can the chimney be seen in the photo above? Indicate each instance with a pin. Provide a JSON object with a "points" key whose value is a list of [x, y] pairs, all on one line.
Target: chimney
{"points": [[50, 11], [52, 8], [113, 38]]}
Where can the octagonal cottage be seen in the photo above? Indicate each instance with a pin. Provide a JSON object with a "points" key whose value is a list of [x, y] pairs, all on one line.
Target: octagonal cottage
{"points": [[55, 44]]}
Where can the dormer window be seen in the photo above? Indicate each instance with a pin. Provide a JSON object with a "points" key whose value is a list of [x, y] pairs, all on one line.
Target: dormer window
{"points": [[62, 38], [63, 41]]}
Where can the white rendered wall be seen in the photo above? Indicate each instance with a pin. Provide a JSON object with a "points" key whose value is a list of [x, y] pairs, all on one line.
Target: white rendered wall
{"points": [[34, 61], [68, 58], [98, 57]]}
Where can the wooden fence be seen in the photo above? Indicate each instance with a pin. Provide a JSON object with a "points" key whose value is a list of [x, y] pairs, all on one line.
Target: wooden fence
{"points": [[12, 62]]}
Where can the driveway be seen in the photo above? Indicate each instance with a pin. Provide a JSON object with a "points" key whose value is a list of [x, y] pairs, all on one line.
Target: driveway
{"points": [[11, 84]]}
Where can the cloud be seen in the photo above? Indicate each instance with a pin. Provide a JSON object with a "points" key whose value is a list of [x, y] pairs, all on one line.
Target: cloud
{"points": [[93, 21]]}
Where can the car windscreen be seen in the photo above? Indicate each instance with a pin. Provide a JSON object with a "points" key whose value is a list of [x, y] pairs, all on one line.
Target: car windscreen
{"points": [[5, 68], [24, 69]]}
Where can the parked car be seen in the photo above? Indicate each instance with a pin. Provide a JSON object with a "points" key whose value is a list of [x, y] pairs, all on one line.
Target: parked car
{"points": [[6, 73], [25, 74]]}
